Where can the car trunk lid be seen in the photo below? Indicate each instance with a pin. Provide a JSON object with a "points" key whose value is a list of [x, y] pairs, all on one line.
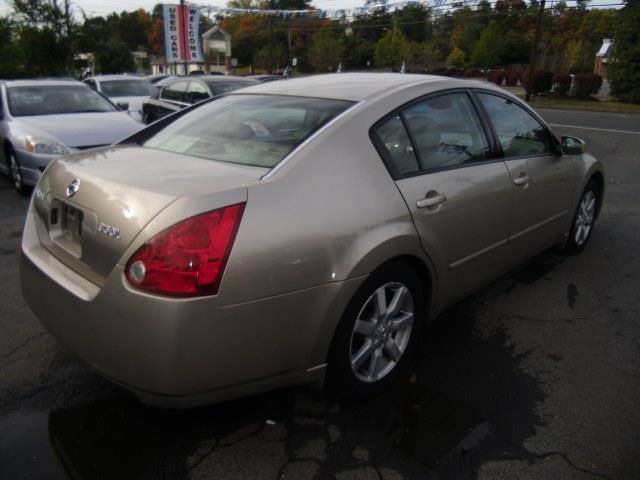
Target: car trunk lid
{"points": [[91, 206]]}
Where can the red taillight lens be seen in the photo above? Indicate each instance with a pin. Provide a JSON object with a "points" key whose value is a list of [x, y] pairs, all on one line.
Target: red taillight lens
{"points": [[187, 259]]}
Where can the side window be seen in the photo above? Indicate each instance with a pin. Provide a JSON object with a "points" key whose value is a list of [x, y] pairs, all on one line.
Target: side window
{"points": [[175, 92], [518, 131], [197, 92], [446, 131], [91, 83], [393, 137]]}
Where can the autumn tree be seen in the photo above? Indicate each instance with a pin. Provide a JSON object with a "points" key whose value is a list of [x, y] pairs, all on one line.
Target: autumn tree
{"points": [[326, 50]]}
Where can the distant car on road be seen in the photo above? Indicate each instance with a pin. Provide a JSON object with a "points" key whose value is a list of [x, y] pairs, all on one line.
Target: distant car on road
{"points": [[126, 91], [182, 92], [44, 119], [295, 232]]}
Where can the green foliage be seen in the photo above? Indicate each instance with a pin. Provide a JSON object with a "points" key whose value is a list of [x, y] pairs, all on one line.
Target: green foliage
{"points": [[488, 49], [326, 50], [413, 21], [114, 57], [625, 70], [456, 58], [392, 49], [271, 57]]}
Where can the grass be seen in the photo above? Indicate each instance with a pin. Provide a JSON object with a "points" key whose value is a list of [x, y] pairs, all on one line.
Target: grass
{"points": [[569, 103]]}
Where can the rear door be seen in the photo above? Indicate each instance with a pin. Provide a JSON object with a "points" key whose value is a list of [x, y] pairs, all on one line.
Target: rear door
{"points": [[172, 98], [458, 192], [196, 92], [544, 181]]}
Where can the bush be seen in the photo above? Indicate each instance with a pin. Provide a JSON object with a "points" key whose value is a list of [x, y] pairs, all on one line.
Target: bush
{"points": [[586, 84], [496, 76], [512, 78], [562, 83], [541, 82]]}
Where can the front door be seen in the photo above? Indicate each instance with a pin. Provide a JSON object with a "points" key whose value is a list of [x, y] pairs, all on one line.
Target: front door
{"points": [[543, 179], [457, 191]]}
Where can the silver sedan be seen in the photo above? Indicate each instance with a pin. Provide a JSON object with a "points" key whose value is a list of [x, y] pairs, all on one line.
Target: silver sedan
{"points": [[296, 232], [41, 120]]}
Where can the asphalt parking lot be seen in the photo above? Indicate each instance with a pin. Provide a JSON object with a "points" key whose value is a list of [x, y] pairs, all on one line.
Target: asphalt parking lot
{"points": [[536, 376]]}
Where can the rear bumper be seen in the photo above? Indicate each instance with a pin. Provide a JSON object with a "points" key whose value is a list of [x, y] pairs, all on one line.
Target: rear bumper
{"points": [[181, 353]]}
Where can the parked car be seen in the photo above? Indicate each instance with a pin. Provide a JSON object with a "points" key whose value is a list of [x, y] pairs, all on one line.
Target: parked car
{"points": [[294, 232], [183, 91], [265, 78], [127, 92], [44, 119], [153, 79]]}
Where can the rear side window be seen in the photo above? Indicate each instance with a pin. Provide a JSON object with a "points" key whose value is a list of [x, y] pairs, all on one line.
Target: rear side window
{"points": [[218, 88], [446, 131], [257, 130], [518, 131], [397, 145], [197, 92], [175, 92]]}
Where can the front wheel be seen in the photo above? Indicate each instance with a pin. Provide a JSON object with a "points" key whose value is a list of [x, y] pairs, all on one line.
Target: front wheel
{"points": [[584, 219], [15, 172], [377, 334]]}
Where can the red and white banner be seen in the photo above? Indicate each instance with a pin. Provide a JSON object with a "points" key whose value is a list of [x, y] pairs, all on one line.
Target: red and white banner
{"points": [[181, 33]]}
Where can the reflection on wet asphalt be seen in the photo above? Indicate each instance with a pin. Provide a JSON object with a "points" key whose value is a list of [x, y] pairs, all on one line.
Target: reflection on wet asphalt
{"points": [[451, 415]]}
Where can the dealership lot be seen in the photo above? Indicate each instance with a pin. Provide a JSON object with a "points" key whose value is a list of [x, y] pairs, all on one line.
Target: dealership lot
{"points": [[536, 376]]}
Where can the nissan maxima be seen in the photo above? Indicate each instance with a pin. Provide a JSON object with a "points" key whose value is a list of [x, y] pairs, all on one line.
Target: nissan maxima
{"points": [[296, 232], [44, 119]]}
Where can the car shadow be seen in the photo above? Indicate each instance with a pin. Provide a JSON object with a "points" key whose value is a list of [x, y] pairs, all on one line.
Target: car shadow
{"points": [[467, 401]]}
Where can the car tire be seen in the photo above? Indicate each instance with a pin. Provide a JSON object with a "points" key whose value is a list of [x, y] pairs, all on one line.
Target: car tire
{"points": [[372, 349], [584, 219], [15, 172]]}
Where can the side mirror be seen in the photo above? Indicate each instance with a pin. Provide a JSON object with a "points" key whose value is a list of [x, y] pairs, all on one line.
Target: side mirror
{"points": [[122, 106], [572, 146]]}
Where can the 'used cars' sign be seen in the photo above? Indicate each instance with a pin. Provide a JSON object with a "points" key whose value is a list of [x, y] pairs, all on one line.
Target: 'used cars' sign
{"points": [[181, 36]]}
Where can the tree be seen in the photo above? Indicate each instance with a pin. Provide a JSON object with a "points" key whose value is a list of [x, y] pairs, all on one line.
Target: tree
{"points": [[114, 57], [456, 58], [413, 21], [488, 49], [392, 49], [11, 55], [625, 69], [326, 50]]}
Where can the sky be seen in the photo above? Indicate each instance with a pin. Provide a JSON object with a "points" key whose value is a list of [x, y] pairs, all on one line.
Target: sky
{"points": [[104, 7]]}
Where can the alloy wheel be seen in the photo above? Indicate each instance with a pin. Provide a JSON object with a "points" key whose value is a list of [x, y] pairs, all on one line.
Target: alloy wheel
{"points": [[16, 174], [585, 217], [381, 332]]}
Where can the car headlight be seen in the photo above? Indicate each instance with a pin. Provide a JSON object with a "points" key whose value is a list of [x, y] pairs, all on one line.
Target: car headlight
{"points": [[45, 146]]}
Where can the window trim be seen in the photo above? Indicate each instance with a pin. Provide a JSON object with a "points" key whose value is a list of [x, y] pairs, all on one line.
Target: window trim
{"points": [[495, 155], [555, 150]]}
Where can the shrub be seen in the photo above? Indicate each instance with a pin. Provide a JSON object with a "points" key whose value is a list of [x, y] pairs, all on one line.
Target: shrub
{"points": [[496, 76], [562, 83], [625, 70], [512, 78], [586, 84], [541, 82]]}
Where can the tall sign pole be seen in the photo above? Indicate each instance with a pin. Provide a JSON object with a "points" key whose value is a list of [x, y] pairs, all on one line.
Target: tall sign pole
{"points": [[185, 32], [534, 50]]}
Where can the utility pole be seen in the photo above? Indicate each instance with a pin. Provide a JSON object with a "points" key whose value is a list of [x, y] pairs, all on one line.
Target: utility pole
{"points": [[185, 33], [534, 50]]}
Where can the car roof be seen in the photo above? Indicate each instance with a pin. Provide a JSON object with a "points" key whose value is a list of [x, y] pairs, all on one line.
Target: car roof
{"points": [[116, 77], [222, 78], [354, 87], [41, 82]]}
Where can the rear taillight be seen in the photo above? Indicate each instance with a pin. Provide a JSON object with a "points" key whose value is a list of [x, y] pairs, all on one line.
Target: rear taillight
{"points": [[187, 259]]}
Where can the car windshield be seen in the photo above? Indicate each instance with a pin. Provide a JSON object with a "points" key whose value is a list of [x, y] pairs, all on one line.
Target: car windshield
{"points": [[258, 130], [55, 99], [126, 88], [218, 88]]}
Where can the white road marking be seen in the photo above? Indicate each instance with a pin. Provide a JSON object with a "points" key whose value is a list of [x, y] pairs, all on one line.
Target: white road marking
{"points": [[631, 132]]}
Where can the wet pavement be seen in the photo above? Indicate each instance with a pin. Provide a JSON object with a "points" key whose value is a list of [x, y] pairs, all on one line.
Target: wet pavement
{"points": [[535, 376]]}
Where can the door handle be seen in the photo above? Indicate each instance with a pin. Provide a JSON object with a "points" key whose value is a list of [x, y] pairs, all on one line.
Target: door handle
{"points": [[431, 201], [522, 180]]}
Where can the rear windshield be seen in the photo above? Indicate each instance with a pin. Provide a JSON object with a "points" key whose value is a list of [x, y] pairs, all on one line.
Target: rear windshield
{"points": [[218, 88], [126, 88], [258, 130], [55, 99]]}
